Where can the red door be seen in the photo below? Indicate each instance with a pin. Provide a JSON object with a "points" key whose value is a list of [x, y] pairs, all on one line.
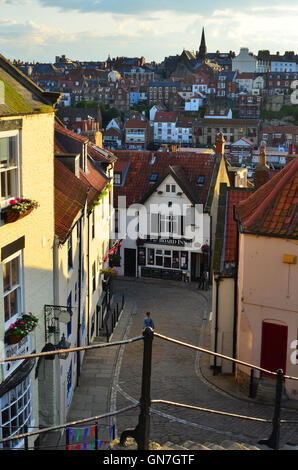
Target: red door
{"points": [[274, 347]]}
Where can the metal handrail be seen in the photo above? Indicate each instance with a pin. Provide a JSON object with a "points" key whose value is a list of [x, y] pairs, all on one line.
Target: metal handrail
{"points": [[73, 423], [141, 431], [237, 361]]}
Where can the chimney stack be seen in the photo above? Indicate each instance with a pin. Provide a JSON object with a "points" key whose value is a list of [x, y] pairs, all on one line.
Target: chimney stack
{"points": [[291, 154], [220, 144], [262, 174]]}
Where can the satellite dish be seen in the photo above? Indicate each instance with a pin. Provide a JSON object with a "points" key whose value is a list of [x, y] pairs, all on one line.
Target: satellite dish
{"points": [[64, 316]]}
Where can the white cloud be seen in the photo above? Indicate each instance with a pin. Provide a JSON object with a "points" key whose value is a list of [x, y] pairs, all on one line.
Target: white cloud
{"points": [[41, 33]]}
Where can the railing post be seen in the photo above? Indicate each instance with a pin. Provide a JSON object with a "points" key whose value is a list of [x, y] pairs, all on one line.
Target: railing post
{"points": [[145, 400], [96, 435], [251, 384], [26, 446], [142, 430], [67, 438], [274, 439]]}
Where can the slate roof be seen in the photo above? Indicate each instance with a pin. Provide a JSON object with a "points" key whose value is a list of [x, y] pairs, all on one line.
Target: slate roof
{"points": [[273, 209], [186, 166]]}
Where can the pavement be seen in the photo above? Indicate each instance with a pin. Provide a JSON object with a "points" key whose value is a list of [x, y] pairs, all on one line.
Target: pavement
{"points": [[108, 381]]}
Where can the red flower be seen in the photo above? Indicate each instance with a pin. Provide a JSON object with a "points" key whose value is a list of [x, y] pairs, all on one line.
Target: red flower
{"points": [[12, 201]]}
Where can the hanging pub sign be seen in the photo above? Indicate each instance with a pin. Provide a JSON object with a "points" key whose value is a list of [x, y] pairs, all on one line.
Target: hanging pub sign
{"points": [[141, 256]]}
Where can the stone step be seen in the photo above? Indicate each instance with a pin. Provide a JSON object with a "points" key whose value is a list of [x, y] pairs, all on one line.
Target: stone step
{"points": [[191, 445]]}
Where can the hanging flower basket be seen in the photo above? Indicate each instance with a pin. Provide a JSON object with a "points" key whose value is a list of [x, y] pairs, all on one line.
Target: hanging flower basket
{"points": [[19, 208], [21, 328]]}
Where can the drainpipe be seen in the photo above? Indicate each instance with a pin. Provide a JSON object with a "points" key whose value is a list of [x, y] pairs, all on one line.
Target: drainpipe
{"points": [[236, 219], [88, 276], [217, 280], [79, 301]]}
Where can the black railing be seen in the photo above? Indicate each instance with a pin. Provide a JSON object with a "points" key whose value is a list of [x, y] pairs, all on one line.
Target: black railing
{"points": [[112, 317], [142, 430]]}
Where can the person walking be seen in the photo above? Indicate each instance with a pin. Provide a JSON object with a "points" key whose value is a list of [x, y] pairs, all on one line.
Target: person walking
{"points": [[148, 322]]}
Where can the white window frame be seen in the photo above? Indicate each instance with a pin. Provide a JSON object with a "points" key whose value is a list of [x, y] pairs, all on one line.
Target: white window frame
{"points": [[17, 184], [21, 398], [19, 286]]}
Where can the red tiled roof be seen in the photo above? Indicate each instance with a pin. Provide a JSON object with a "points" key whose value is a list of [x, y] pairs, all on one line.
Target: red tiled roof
{"points": [[99, 154], [112, 131], [95, 181], [69, 198], [135, 124], [279, 129], [273, 208], [163, 116], [137, 182], [64, 131], [235, 196]]}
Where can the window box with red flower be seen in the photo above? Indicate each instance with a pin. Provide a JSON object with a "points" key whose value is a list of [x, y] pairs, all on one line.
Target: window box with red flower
{"points": [[19, 208], [21, 328]]}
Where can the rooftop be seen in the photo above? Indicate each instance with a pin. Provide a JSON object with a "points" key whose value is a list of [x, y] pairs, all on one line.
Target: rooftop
{"points": [[273, 209], [187, 166]]}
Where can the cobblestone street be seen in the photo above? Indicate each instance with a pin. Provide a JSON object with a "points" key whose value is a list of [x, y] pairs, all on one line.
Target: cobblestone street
{"points": [[181, 312]]}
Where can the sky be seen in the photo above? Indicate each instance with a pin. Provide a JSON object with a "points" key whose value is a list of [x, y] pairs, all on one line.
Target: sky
{"points": [[40, 30]]}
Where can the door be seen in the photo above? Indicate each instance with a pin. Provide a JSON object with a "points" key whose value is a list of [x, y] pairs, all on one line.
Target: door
{"points": [[130, 262], [274, 347]]}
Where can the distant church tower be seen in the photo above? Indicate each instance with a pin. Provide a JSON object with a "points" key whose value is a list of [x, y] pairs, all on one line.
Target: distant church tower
{"points": [[202, 55]]}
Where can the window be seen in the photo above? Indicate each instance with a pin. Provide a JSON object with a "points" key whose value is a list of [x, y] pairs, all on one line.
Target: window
{"points": [[16, 412], [69, 251], [83, 323], [150, 256], [153, 178], [168, 188], [12, 288], [173, 188], [93, 277], [201, 180], [93, 224], [69, 383], [83, 269], [70, 312], [8, 166]]}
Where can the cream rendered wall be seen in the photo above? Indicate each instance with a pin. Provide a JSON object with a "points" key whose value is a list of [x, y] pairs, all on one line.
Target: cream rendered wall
{"points": [[225, 322], [267, 291], [65, 283], [98, 248], [37, 174]]}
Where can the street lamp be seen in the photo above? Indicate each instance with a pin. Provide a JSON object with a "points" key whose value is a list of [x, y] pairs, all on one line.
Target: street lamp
{"points": [[63, 344]]}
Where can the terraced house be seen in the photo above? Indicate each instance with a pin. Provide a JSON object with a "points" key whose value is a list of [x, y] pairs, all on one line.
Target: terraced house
{"points": [[56, 210], [26, 240]]}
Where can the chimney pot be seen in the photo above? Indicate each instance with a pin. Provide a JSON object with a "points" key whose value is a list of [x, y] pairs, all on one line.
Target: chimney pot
{"points": [[220, 144]]}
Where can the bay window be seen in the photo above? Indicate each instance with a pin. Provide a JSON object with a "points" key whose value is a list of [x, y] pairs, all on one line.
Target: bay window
{"points": [[16, 412]]}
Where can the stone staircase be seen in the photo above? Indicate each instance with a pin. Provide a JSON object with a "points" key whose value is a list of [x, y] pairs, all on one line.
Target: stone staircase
{"points": [[191, 445]]}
